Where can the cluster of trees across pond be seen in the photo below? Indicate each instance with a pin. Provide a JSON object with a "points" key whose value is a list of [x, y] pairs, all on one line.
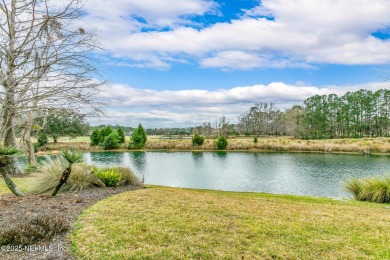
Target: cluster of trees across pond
{"points": [[357, 114], [362, 113]]}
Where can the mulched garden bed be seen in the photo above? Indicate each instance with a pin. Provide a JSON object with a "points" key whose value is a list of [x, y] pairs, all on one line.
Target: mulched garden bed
{"points": [[14, 210]]}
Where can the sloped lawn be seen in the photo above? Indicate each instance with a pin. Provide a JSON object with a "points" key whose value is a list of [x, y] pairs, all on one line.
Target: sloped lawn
{"points": [[162, 223]]}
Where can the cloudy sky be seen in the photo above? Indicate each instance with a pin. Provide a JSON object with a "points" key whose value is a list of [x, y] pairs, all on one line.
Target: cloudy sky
{"points": [[177, 63]]}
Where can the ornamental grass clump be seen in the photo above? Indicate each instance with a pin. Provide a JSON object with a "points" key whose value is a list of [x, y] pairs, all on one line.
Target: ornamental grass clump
{"points": [[370, 189], [26, 230], [72, 156], [82, 177]]}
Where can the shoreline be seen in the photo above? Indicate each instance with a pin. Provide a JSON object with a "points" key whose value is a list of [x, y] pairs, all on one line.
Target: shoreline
{"points": [[363, 146], [50, 152]]}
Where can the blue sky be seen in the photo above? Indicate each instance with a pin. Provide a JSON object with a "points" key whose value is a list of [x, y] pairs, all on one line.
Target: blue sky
{"points": [[178, 63]]}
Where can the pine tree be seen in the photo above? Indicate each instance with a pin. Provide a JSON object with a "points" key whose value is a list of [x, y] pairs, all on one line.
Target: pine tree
{"points": [[138, 138], [121, 135]]}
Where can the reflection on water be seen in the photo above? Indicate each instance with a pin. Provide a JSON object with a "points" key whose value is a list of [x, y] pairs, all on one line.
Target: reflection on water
{"points": [[301, 174], [22, 160], [198, 156], [138, 160], [220, 155]]}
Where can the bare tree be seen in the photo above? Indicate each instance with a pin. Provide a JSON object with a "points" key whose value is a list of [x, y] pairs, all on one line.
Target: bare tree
{"points": [[45, 62], [223, 126]]}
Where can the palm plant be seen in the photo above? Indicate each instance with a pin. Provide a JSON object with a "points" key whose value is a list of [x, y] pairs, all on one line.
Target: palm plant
{"points": [[5, 153], [72, 156]]}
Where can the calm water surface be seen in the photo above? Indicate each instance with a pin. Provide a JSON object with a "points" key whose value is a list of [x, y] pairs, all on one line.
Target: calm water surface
{"points": [[287, 173]]}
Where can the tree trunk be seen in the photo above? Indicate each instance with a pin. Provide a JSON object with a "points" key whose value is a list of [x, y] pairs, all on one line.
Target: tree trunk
{"points": [[64, 178], [9, 140], [9, 107], [30, 152], [10, 184], [27, 141]]}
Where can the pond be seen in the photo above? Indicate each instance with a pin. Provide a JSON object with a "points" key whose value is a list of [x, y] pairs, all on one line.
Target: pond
{"points": [[281, 173]]}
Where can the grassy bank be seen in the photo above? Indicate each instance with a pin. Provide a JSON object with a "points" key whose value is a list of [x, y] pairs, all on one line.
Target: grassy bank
{"points": [[276, 144], [373, 145], [169, 223], [23, 184]]}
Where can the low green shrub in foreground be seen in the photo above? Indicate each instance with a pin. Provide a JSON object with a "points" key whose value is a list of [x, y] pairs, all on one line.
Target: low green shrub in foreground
{"points": [[370, 189], [221, 143], [127, 177], [197, 140], [109, 177]]}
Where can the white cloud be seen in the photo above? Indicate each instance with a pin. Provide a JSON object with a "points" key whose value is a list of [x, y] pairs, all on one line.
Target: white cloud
{"points": [[246, 61], [152, 13], [300, 33], [130, 106], [319, 16]]}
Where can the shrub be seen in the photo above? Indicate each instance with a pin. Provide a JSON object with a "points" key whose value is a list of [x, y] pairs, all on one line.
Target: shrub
{"points": [[94, 137], [36, 147], [121, 135], [255, 140], [109, 177], [112, 141], [370, 189], [103, 133], [82, 177], [127, 177], [42, 139], [221, 143], [197, 140], [138, 138], [31, 229]]}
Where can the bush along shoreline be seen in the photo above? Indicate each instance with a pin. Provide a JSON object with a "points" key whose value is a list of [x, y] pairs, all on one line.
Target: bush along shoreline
{"points": [[370, 189]]}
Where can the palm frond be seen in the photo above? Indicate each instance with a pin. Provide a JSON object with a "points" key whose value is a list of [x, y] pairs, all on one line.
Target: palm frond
{"points": [[72, 156]]}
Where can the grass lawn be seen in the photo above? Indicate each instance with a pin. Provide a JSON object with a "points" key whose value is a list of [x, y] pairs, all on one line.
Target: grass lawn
{"points": [[172, 223], [22, 183]]}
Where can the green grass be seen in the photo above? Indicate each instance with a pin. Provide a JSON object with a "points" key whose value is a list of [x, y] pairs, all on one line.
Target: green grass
{"points": [[23, 184], [169, 223]]}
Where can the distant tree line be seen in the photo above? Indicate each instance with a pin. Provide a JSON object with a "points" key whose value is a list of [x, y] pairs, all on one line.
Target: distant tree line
{"points": [[362, 113], [169, 131], [356, 114]]}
